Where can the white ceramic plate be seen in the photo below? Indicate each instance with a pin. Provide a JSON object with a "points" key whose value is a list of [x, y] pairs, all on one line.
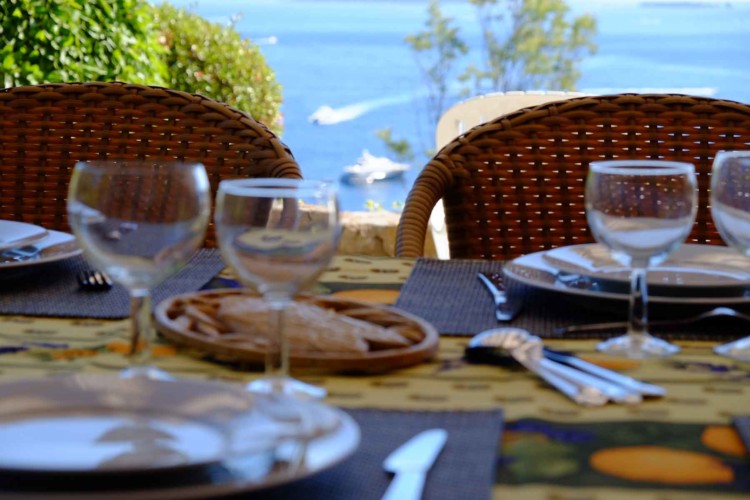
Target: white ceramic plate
{"points": [[15, 234], [56, 246], [142, 439], [536, 271], [690, 265]]}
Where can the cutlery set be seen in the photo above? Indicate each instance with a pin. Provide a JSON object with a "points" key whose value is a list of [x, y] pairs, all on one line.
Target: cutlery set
{"points": [[583, 382]]}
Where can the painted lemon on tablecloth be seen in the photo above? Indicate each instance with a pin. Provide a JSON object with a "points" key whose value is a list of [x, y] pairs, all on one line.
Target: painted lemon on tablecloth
{"points": [[725, 439], [658, 464]]}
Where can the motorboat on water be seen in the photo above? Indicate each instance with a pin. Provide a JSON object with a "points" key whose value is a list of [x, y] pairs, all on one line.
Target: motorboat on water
{"points": [[370, 168]]}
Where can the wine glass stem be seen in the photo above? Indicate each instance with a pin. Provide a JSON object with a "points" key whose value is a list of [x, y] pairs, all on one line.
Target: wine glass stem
{"points": [[141, 329], [638, 310], [277, 355]]}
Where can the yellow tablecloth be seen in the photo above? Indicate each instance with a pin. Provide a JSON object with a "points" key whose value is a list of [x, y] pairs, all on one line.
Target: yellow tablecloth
{"points": [[680, 446]]}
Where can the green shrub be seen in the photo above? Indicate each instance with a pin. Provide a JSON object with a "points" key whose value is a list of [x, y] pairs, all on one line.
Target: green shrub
{"points": [[213, 60], [78, 40], [130, 40]]}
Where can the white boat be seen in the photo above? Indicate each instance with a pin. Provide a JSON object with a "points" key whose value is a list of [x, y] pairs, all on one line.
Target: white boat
{"points": [[370, 169]]}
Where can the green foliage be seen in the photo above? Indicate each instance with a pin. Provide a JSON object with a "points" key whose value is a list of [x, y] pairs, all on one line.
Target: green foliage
{"points": [[529, 45], [78, 40], [525, 45], [437, 50], [213, 60], [130, 40], [400, 147]]}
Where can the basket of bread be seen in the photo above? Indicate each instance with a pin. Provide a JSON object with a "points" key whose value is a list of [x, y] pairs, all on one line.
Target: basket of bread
{"points": [[324, 333]]}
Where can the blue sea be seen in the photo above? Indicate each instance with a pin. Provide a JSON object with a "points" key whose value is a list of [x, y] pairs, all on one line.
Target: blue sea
{"points": [[352, 57]]}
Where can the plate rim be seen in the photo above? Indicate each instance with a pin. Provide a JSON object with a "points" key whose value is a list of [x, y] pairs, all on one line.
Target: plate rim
{"points": [[582, 271], [53, 239], [347, 432], [537, 262]]}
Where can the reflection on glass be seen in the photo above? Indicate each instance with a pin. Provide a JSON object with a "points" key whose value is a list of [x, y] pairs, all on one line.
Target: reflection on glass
{"points": [[278, 235], [140, 222], [730, 209], [642, 210]]}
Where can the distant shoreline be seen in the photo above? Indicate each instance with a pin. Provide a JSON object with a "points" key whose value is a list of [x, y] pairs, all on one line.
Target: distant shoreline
{"points": [[686, 4]]}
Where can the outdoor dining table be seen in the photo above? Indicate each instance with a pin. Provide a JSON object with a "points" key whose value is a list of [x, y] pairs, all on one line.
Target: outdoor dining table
{"points": [[542, 444]]}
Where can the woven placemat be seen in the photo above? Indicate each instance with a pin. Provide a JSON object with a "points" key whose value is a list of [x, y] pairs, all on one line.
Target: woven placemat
{"points": [[448, 294], [464, 469], [742, 423], [53, 290]]}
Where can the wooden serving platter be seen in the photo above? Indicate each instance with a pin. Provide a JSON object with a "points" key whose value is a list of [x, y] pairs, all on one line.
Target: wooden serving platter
{"points": [[171, 323]]}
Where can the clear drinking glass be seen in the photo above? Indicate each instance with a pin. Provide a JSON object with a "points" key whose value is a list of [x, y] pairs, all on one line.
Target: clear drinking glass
{"points": [[730, 209], [140, 221], [278, 235], [642, 210]]}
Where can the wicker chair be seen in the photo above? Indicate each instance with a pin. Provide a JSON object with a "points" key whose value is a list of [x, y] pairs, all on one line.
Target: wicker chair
{"points": [[45, 129], [515, 185], [468, 114]]}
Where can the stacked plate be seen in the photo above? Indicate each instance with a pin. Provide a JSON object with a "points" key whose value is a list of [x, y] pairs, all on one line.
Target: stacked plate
{"points": [[100, 436], [24, 245], [693, 274]]}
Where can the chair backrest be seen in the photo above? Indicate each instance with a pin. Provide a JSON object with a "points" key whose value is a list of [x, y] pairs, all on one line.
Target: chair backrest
{"points": [[515, 185], [45, 129], [474, 111], [467, 114]]}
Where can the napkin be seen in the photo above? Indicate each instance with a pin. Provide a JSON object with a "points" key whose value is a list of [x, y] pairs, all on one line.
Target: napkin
{"points": [[53, 290], [16, 234]]}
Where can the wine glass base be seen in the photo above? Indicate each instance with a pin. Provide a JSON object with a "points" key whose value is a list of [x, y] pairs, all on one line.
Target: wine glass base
{"points": [[149, 372], [638, 347], [288, 386], [739, 349]]}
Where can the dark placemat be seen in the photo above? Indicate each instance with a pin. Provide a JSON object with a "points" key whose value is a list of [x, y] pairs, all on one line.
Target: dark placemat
{"points": [[52, 289], [448, 294], [464, 469], [743, 427]]}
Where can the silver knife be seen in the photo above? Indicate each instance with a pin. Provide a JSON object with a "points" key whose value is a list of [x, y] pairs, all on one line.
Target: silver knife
{"points": [[410, 463], [505, 310]]}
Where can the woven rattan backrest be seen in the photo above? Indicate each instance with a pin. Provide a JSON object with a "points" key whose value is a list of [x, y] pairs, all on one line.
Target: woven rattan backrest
{"points": [[515, 185], [45, 129]]}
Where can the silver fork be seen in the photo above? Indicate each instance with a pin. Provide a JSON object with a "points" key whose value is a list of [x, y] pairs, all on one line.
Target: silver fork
{"points": [[505, 308], [94, 280], [718, 311]]}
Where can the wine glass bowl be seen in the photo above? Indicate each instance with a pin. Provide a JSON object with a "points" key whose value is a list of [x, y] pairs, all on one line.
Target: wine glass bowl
{"points": [[730, 210], [278, 235], [139, 221], [642, 210]]}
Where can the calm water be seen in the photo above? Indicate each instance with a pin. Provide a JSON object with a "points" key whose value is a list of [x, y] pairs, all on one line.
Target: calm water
{"points": [[352, 57]]}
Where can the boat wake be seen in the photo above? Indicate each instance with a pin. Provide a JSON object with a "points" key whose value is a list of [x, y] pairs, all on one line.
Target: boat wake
{"points": [[326, 115]]}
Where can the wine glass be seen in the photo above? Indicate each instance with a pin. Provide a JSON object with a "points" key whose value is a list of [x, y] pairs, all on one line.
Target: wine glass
{"points": [[642, 210], [730, 209], [278, 235], [140, 221]]}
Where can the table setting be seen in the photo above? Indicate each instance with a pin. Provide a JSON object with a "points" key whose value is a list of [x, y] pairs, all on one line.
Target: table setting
{"points": [[228, 384]]}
